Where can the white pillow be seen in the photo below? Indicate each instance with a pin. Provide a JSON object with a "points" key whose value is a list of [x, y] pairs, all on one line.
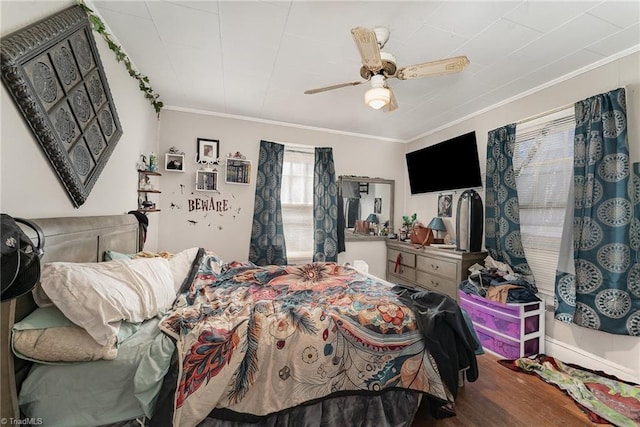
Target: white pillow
{"points": [[97, 296], [181, 266]]}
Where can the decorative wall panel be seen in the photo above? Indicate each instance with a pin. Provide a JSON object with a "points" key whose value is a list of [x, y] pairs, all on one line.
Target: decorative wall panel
{"points": [[53, 72]]}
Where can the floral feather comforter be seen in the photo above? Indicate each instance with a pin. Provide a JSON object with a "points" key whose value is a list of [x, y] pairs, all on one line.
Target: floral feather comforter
{"points": [[259, 340]]}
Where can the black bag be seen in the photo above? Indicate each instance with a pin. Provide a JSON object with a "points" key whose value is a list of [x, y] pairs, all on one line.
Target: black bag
{"points": [[20, 257]]}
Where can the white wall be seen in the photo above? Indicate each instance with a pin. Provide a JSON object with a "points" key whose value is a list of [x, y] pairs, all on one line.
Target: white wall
{"points": [[228, 232], [29, 186], [615, 354]]}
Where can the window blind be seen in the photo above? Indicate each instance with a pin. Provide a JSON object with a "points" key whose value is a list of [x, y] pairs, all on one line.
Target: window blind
{"points": [[543, 169]]}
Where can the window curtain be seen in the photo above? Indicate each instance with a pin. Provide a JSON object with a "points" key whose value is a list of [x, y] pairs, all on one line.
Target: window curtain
{"points": [[601, 289], [267, 235], [502, 224], [325, 207]]}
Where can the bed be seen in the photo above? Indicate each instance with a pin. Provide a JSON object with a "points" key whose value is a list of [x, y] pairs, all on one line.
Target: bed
{"points": [[320, 344]]}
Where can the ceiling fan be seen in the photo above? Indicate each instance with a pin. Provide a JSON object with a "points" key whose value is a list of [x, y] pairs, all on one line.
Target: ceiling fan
{"points": [[378, 67]]}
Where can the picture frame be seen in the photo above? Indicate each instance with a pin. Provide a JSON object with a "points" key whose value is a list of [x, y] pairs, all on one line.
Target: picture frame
{"points": [[208, 150], [445, 203], [377, 205], [174, 162], [53, 72]]}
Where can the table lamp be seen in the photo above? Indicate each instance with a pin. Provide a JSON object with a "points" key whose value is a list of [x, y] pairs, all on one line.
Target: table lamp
{"points": [[437, 224]]}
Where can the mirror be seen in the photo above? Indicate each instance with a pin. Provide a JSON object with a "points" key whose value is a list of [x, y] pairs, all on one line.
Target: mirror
{"points": [[368, 206]]}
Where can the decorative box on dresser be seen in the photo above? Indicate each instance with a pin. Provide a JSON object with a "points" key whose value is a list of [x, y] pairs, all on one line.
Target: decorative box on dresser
{"points": [[430, 267]]}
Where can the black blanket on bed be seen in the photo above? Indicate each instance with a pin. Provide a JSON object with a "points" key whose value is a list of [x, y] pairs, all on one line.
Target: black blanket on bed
{"points": [[443, 327]]}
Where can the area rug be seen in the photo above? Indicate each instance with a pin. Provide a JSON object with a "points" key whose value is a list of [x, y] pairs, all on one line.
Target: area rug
{"points": [[604, 398]]}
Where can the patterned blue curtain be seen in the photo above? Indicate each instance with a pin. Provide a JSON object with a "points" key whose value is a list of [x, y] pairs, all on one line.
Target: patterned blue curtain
{"points": [[325, 207], [604, 291], [502, 224], [267, 235]]}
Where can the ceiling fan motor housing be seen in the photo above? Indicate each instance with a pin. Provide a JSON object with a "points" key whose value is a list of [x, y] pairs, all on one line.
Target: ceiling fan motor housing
{"points": [[388, 69]]}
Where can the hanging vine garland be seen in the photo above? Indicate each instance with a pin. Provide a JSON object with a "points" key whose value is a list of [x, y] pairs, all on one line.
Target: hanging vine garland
{"points": [[143, 81]]}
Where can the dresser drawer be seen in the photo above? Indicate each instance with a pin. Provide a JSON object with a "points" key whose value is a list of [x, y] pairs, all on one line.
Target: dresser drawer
{"points": [[401, 271], [436, 283], [406, 258], [437, 266]]}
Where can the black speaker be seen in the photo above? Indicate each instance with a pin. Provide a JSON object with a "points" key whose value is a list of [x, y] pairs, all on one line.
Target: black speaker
{"points": [[469, 222]]}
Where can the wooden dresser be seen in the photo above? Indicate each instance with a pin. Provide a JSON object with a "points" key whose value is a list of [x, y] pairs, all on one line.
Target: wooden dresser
{"points": [[429, 268]]}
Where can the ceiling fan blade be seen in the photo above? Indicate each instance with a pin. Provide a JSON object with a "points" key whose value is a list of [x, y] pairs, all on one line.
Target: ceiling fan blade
{"points": [[393, 103], [434, 68], [367, 44], [326, 88]]}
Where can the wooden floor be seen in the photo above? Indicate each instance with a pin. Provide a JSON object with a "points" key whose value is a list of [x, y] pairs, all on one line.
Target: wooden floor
{"points": [[502, 397]]}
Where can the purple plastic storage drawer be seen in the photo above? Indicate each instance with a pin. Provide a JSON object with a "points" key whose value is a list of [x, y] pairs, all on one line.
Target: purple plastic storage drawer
{"points": [[504, 346], [517, 310], [508, 319]]}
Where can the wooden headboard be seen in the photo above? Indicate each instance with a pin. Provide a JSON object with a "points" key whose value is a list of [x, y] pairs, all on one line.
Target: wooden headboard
{"points": [[71, 239]]}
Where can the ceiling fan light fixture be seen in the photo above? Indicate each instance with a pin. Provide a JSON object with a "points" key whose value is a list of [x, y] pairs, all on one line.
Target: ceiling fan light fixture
{"points": [[377, 97]]}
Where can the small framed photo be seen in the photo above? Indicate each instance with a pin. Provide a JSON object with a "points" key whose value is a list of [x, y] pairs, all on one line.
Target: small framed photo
{"points": [[174, 162], [208, 150], [377, 205], [444, 205]]}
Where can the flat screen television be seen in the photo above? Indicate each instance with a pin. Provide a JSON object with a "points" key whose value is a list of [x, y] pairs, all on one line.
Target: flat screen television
{"points": [[448, 165]]}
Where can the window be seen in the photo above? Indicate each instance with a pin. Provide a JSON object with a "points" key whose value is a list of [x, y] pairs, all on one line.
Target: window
{"points": [[543, 168], [296, 196]]}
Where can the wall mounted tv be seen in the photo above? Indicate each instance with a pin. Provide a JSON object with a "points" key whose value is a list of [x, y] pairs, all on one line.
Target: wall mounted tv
{"points": [[449, 165]]}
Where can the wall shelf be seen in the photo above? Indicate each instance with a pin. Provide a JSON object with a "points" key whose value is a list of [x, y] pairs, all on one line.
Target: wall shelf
{"points": [[237, 171], [207, 180], [143, 191], [174, 162], [146, 172]]}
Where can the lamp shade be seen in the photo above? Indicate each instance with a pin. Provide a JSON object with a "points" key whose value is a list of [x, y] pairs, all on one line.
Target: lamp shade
{"points": [[377, 97], [437, 224], [373, 219]]}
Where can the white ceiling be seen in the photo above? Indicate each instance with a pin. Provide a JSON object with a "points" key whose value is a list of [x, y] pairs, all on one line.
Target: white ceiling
{"points": [[256, 58]]}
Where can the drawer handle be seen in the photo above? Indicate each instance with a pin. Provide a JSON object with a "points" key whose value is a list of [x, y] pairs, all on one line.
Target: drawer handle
{"points": [[435, 284], [396, 268], [435, 267]]}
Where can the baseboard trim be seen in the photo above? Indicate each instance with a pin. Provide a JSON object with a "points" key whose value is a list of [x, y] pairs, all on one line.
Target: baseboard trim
{"points": [[570, 354]]}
